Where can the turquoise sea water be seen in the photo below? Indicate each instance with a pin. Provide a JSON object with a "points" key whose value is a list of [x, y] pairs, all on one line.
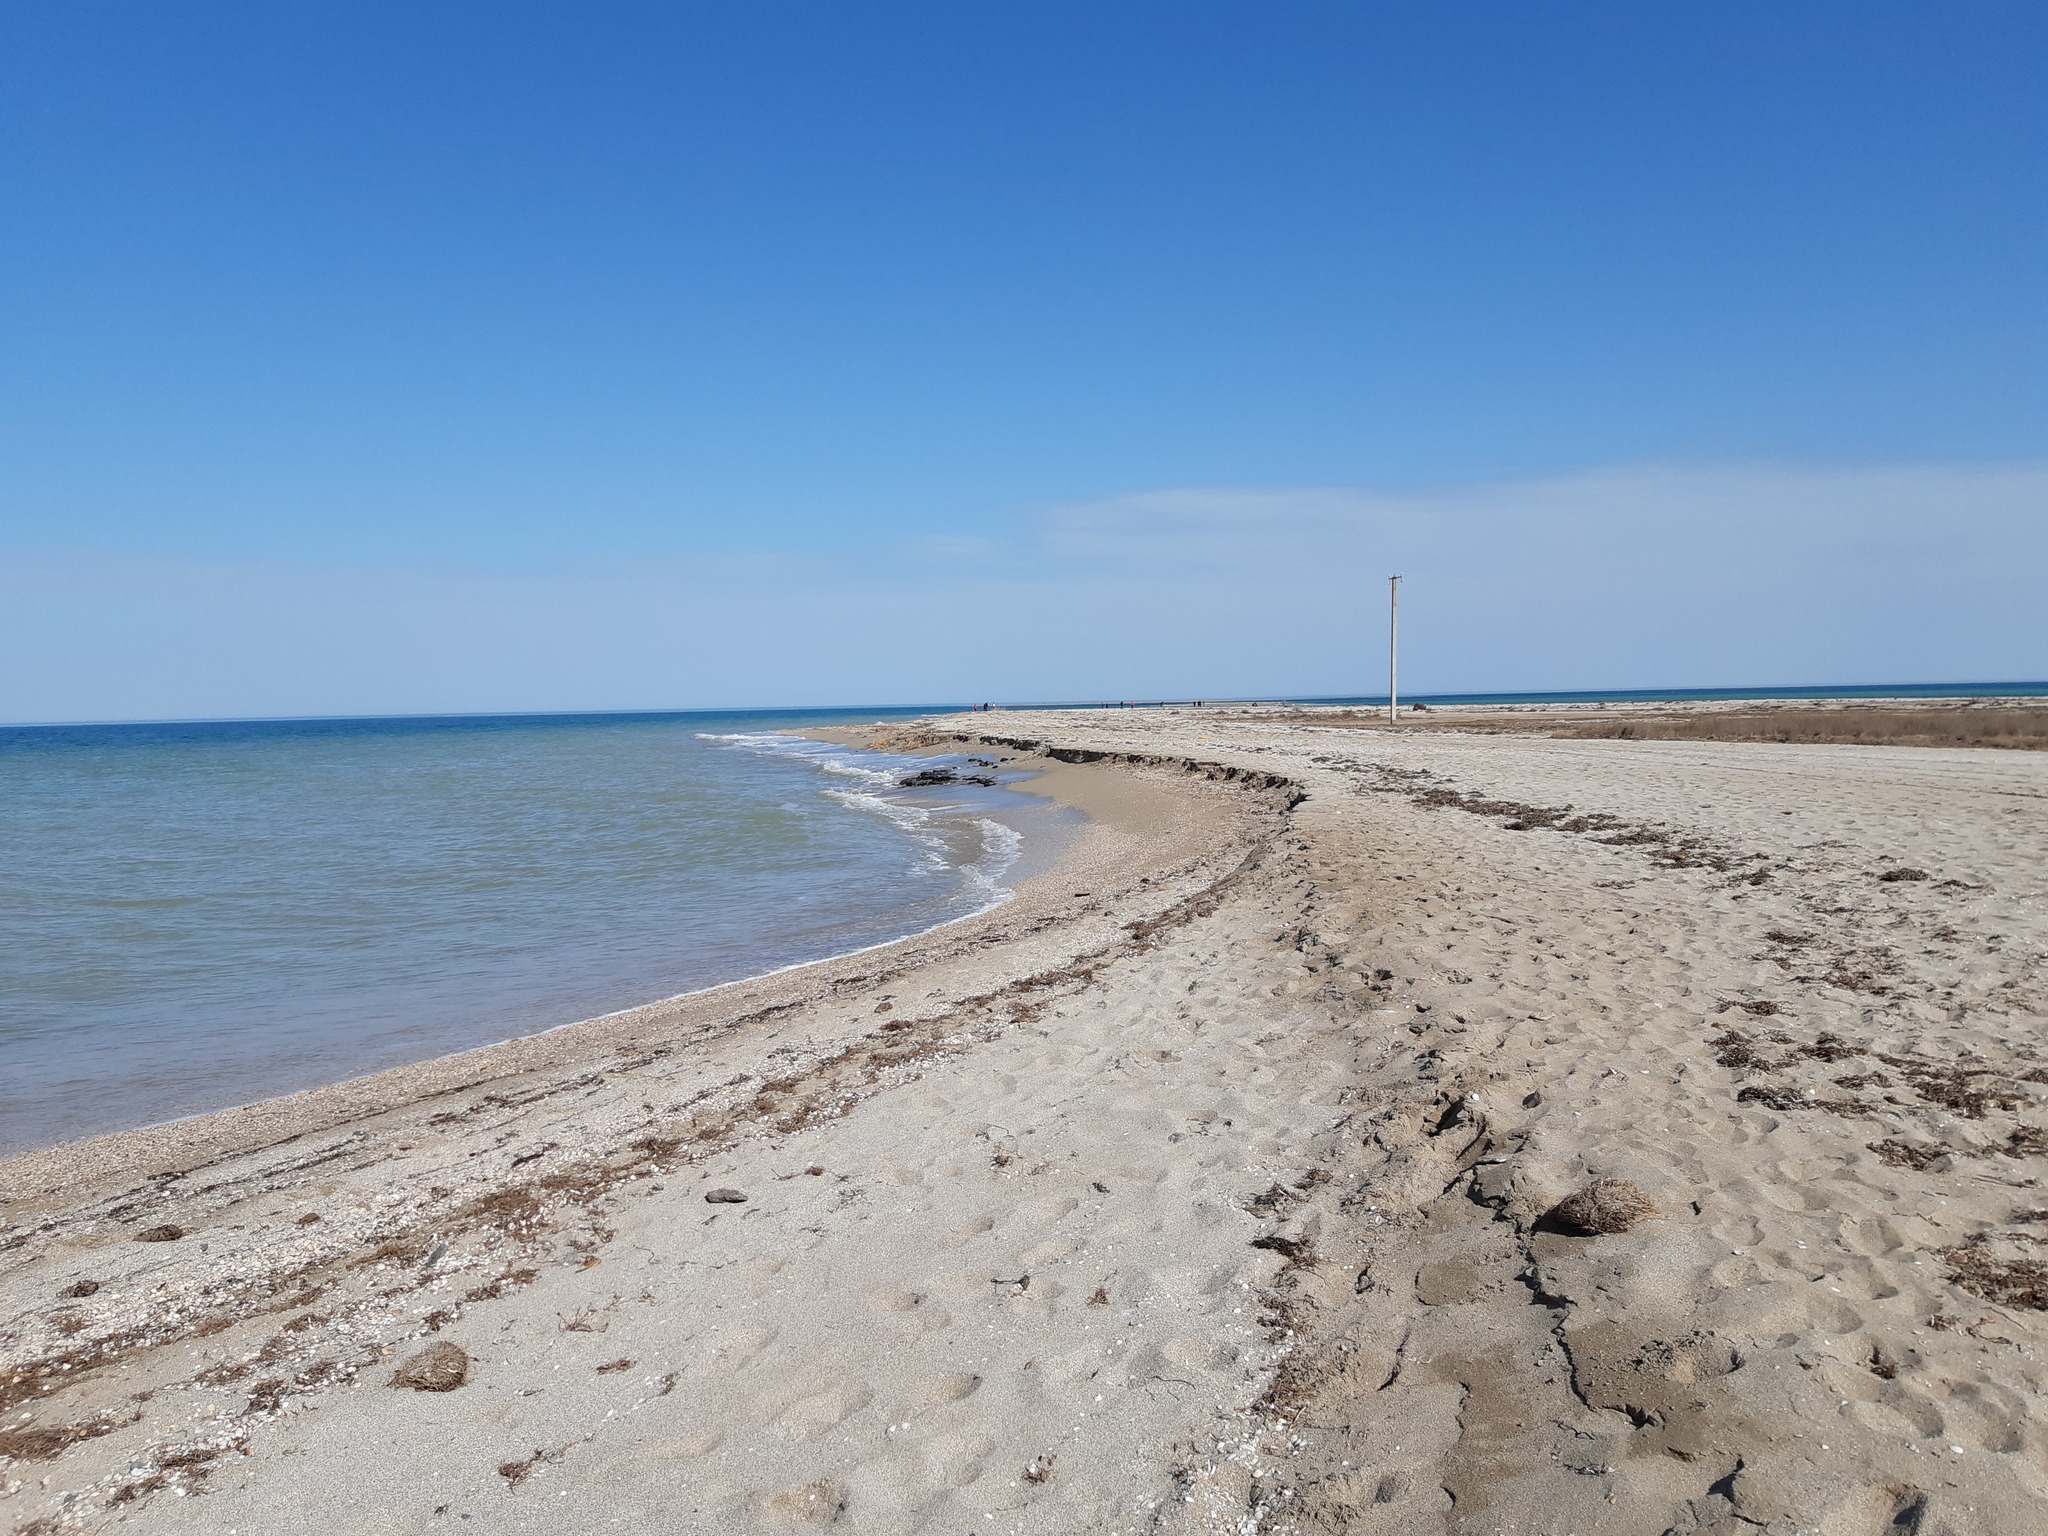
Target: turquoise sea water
{"points": [[198, 915]]}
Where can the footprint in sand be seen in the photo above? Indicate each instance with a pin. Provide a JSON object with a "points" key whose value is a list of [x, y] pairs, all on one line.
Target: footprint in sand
{"points": [[810, 1417], [951, 1387], [1741, 1232], [1987, 1416], [954, 1461], [744, 1344], [1045, 1255], [1199, 1352], [1044, 1213], [689, 1446], [811, 1504]]}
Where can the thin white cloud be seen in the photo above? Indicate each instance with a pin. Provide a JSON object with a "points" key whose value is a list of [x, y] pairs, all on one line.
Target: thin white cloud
{"points": [[1767, 513], [1644, 576]]}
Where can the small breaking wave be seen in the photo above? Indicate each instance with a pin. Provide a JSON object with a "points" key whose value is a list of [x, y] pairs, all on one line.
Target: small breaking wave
{"points": [[879, 771], [954, 838]]}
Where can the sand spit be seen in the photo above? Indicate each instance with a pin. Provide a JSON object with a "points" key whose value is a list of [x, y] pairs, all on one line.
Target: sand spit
{"points": [[1361, 1132]]}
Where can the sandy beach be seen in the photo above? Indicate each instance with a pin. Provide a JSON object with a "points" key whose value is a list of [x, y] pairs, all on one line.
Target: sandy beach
{"points": [[1356, 1130]]}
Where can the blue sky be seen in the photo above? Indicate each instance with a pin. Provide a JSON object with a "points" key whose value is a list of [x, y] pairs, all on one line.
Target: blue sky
{"points": [[364, 357]]}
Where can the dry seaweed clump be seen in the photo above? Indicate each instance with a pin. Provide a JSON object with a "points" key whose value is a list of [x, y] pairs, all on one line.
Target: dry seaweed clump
{"points": [[1905, 1154], [2008, 1282], [48, 1442], [1602, 1207], [440, 1367]]}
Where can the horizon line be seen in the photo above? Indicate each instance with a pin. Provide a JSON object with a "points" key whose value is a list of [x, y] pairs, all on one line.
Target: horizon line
{"points": [[2017, 688]]}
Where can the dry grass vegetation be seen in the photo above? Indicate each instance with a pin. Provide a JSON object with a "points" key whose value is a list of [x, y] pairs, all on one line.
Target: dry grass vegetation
{"points": [[1882, 723], [2015, 726]]}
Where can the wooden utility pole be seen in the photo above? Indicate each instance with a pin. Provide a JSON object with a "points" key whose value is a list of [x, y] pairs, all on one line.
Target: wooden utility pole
{"points": [[1393, 650]]}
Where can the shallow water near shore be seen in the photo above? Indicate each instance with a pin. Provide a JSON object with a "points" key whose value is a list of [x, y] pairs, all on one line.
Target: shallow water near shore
{"points": [[193, 916]]}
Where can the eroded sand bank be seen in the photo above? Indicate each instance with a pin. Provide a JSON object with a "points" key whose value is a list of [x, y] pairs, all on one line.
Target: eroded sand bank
{"points": [[1205, 1187]]}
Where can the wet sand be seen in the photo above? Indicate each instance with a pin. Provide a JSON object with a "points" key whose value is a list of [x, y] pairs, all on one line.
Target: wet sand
{"points": [[1214, 1184]]}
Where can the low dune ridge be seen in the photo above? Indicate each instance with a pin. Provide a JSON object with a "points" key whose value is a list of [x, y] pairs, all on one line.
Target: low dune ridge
{"points": [[1378, 1131]]}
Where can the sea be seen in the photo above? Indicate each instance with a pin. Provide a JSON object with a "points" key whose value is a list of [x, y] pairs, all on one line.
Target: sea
{"points": [[194, 916]]}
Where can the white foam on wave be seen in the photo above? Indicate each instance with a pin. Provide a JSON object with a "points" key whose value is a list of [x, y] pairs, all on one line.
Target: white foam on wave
{"points": [[1000, 844], [914, 819], [821, 755]]}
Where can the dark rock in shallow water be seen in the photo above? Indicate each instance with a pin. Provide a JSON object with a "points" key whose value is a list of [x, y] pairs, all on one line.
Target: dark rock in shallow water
{"points": [[926, 778]]}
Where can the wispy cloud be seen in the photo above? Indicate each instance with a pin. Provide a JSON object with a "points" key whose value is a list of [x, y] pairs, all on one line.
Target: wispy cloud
{"points": [[1634, 576], [1652, 521]]}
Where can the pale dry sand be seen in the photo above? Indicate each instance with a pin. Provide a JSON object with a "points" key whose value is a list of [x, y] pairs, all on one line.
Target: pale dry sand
{"points": [[1213, 1199]]}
